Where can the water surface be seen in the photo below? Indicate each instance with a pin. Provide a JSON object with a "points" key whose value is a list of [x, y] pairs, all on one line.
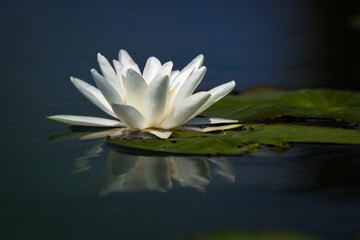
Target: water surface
{"points": [[75, 189]]}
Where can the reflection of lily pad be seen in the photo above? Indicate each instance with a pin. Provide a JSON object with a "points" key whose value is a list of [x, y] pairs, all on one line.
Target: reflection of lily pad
{"points": [[240, 142], [260, 104]]}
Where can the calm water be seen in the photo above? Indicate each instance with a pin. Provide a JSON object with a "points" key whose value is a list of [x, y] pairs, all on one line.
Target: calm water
{"points": [[70, 189]]}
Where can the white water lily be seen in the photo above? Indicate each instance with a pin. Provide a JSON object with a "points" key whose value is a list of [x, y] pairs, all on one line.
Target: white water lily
{"points": [[157, 98]]}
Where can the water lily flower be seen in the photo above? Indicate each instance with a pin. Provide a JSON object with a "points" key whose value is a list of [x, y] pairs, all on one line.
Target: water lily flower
{"points": [[157, 98]]}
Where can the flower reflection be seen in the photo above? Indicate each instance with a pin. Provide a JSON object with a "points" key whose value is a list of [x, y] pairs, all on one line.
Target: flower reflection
{"points": [[82, 163], [132, 173]]}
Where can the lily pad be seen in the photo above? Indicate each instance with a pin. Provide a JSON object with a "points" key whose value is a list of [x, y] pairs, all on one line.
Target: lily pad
{"points": [[240, 142], [262, 104]]}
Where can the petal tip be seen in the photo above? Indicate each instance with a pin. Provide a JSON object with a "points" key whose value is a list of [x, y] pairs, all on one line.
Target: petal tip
{"points": [[100, 58], [53, 118], [122, 52], [203, 69]]}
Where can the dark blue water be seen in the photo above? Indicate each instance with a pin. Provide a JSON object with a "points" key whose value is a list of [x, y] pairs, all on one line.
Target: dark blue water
{"points": [[71, 189]]}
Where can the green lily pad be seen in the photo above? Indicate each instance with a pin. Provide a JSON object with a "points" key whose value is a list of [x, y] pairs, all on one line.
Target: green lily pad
{"points": [[240, 142], [266, 103]]}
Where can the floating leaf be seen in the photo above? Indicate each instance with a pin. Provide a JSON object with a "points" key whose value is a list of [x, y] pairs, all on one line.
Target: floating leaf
{"points": [[240, 142], [261, 104]]}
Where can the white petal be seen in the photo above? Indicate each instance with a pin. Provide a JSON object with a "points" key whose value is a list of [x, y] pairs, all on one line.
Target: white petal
{"points": [[172, 94], [216, 94], [110, 75], [106, 88], [212, 128], [93, 94], [86, 121], [152, 66], [118, 68], [174, 75], [130, 116], [126, 60], [127, 67], [184, 110], [188, 69], [166, 68], [196, 63], [175, 86], [136, 87], [189, 85], [156, 99], [206, 121], [181, 78], [160, 134]]}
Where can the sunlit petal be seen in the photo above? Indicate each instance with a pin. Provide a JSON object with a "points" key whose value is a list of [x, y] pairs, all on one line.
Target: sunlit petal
{"points": [[166, 68], [189, 86], [136, 87], [152, 66], [156, 99], [216, 94], [130, 116], [86, 121], [181, 77], [196, 63], [212, 128], [93, 95], [118, 68], [159, 134], [184, 110], [126, 60], [110, 75], [106, 88], [174, 75], [206, 121]]}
